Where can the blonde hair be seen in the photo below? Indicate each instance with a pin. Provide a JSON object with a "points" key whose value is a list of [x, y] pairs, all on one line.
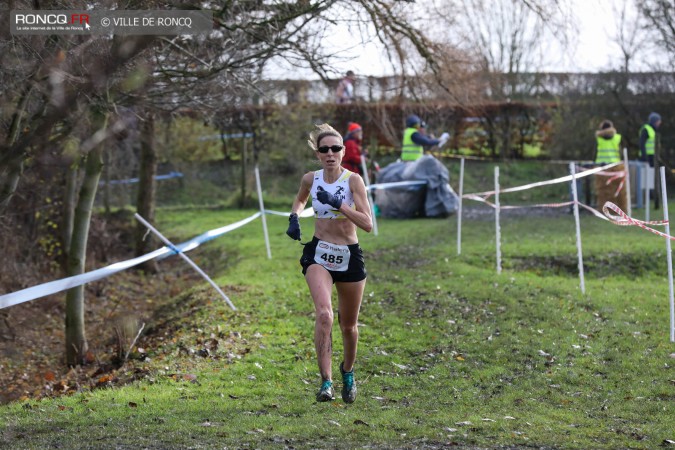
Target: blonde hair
{"points": [[321, 132]]}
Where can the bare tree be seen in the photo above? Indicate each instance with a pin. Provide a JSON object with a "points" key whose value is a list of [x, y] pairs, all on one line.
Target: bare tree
{"points": [[503, 40], [76, 340], [628, 33], [660, 15], [48, 84]]}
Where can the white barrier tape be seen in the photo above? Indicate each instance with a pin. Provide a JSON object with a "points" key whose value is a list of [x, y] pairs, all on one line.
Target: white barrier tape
{"points": [[63, 284], [541, 205], [616, 176], [593, 211], [186, 259], [308, 212], [168, 176], [395, 184], [624, 219], [544, 183], [613, 176], [212, 234]]}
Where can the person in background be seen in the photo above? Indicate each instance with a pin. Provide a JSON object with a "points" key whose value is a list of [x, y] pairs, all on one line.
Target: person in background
{"points": [[353, 142], [425, 131], [608, 151], [345, 88], [647, 143], [608, 144], [333, 256], [414, 139]]}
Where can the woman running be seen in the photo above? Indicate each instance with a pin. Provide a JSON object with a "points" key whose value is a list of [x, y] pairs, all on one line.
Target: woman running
{"points": [[333, 256]]}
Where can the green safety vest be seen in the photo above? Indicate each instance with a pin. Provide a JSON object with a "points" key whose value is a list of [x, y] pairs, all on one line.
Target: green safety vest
{"points": [[410, 150], [608, 149], [651, 138]]}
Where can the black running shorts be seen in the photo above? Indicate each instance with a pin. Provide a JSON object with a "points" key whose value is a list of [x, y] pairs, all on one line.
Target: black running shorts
{"points": [[334, 259]]}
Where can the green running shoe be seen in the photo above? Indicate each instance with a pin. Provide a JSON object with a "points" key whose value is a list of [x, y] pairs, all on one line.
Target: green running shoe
{"points": [[348, 385], [326, 393]]}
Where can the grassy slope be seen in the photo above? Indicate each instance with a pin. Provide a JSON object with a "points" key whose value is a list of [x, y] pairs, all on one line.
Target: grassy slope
{"points": [[450, 353]]}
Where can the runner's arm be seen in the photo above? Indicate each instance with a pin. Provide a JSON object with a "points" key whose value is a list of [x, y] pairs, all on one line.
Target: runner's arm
{"points": [[303, 193], [360, 216]]}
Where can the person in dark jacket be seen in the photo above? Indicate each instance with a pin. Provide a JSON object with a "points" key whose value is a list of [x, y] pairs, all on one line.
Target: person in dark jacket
{"points": [[647, 143], [414, 140], [353, 142]]}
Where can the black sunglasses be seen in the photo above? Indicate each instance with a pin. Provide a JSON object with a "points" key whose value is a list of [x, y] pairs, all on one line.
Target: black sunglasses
{"points": [[335, 148]]}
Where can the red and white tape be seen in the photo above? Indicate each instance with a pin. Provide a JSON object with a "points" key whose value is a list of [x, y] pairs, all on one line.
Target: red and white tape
{"points": [[624, 220], [524, 187]]}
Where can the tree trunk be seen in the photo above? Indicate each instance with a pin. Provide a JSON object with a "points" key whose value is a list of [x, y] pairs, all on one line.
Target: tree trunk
{"points": [[11, 181], [14, 168], [244, 169], [506, 136], [106, 179], [147, 186], [76, 341], [69, 207]]}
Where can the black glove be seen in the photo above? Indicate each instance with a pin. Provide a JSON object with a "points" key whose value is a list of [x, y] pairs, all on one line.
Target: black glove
{"points": [[327, 198], [293, 227]]}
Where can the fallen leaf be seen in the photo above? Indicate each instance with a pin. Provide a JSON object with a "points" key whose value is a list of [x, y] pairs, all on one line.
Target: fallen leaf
{"points": [[190, 377], [333, 422], [488, 420], [89, 357], [668, 442], [459, 358], [49, 376], [461, 424], [360, 422]]}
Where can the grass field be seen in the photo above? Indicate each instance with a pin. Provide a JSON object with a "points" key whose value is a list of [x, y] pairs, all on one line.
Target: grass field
{"points": [[451, 354]]}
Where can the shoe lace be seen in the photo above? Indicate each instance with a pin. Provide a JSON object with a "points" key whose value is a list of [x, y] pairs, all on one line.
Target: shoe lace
{"points": [[348, 379]]}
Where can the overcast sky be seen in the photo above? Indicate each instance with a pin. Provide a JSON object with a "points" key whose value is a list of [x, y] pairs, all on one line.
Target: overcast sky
{"points": [[593, 51]]}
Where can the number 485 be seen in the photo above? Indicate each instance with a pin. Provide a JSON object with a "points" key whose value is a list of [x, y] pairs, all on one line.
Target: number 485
{"points": [[332, 259]]}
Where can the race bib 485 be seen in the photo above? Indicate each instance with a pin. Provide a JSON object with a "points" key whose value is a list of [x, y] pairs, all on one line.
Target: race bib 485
{"points": [[332, 257]]}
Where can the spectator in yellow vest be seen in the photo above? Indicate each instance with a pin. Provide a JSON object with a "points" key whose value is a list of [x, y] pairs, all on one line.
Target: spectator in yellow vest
{"points": [[608, 144], [647, 138], [647, 143], [608, 151], [414, 140]]}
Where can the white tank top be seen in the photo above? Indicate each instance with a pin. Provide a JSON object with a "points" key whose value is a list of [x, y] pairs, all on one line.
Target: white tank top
{"points": [[339, 188]]}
